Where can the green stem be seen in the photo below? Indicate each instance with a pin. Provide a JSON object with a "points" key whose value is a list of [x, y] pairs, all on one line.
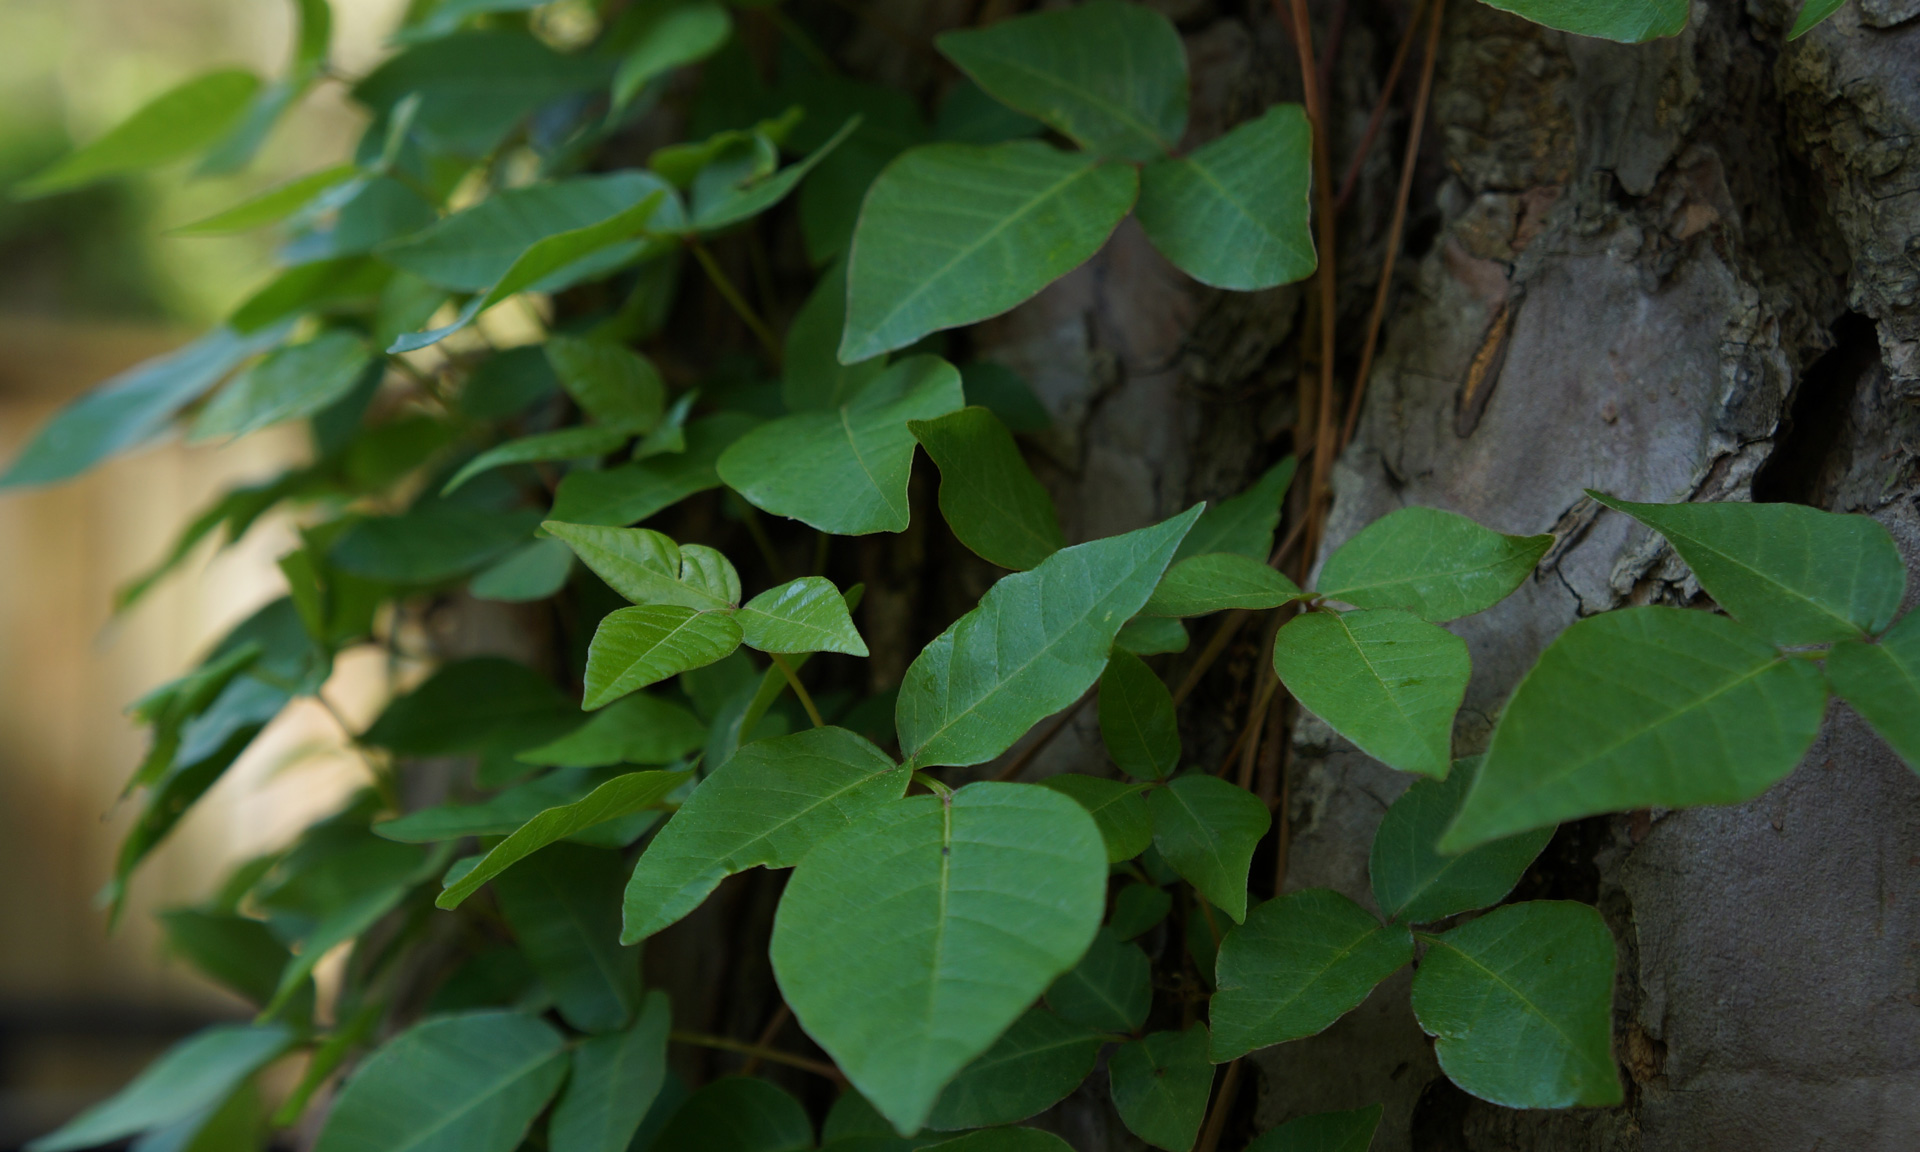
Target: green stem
{"points": [[799, 689], [771, 1055], [733, 297], [764, 542]]}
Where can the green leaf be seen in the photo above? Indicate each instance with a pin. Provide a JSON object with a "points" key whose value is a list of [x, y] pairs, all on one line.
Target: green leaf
{"points": [[468, 1083], [615, 1079], [563, 904], [473, 250], [1207, 829], [1300, 962], [669, 36], [635, 647], [969, 116], [1628, 21], [198, 1073], [1882, 682], [811, 373], [292, 382], [612, 383], [1002, 1140], [435, 540], [1811, 14], [1216, 582], [987, 493], [732, 203], [272, 206], [1244, 524], [448, 15], [845, 472], [766, 806], [1000, 390], [1152, 636], [237, 951], [473, 87], [647, 567], [633, 492], [1137, 719], [964, 909], [131, 408], [1030, 1068], [954, 233], [345, 282], [532, 572], [1115, 807], [1383, 678], [1137, 908], [584, 442], [1794, 574], [1534, 978], [1437, 565], [172, 125], [804, 615], [1036, 641], [1233, 213], [1160, 1085], [479, 705], [1323, 1132], [1640, 708], [738, 1114], [1414, 883], [620, 796], [496, 816], [1110, 76], [1111, 988], [637, 729]]}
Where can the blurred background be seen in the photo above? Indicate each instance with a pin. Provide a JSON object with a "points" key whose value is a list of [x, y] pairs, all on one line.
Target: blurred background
{"points": [[89, 285]]}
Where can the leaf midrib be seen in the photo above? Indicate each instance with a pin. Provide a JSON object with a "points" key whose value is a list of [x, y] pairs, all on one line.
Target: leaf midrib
{"points": [[1525, 1002], [473, 1102], [1767, 580], [1118, 111], [1206, 174]]}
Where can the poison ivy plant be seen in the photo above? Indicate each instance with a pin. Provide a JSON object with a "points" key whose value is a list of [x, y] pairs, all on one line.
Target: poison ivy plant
{"points": [[732, 274]]}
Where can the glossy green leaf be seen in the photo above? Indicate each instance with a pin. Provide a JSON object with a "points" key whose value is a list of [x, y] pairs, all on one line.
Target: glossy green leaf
{"points": [[618, 797], [1160, 1085], [1116, 807], [1111, 988], [1216, 582], [292, 382], [669, 36], [172, 125], [845, 471], [1882, 682], [533, 571], [1437, 565], [1036, 641], [1030, 1068], [584, 442], [198, 1073], [1234, 213], [1137, 718], [811, 373], [907, 943], [1794, 574], [1639, 708], [1207, 829], [1243, 524], [563, 904], [484, 704], [987, 493], [1323, 1132], [1414, 883], [468, 90], [647, 567], [635, 647], [1003, 1140], [738, 1114], [1110, 76], [1628, 21], [1534, 978], [1152, 636], [636, 729], [633, 492], [614, 1080], [1811, 14], [468, 1083], [804, 615], [767, 806], [954, 233], [1383, 678], [271, 206], [1299, 963], [132, 407], [1137, 908]]}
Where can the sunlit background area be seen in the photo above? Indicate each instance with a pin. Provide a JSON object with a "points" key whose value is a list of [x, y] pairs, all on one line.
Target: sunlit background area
{"points": [[93, 284]]}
